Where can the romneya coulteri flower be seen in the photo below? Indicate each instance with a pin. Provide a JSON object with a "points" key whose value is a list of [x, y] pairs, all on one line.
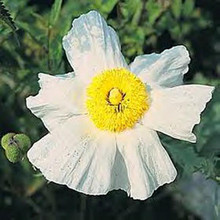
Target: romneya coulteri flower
{"points": [[103, 118]]}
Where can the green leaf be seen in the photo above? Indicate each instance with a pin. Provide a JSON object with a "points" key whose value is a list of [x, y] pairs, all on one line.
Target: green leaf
{"points": [[154, 10], [165, 22], [55, 35], [131, 11], [209, 128], [186, 157], [104, 6], [188, 7], [36, 33], [5, 16], [55, 53], [176, 7], [54, 15]]}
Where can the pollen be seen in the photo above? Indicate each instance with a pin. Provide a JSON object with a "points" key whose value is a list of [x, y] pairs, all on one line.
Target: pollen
{"points": [[116, 100]]}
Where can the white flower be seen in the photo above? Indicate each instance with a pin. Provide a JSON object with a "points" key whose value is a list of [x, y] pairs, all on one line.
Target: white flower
{"points": [[102, 119]]}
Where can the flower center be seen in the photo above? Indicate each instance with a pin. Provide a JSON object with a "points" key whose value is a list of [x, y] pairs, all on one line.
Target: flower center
{"points": [[115, 96], [116, 100]]}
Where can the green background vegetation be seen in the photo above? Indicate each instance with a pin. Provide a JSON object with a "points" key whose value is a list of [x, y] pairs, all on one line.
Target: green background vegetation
{"points": [[143, 27]]}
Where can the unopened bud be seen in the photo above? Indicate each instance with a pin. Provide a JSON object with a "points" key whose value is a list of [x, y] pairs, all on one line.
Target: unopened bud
{"points": [[14, 154], [23, 142], [6, 140], [16, 146]]}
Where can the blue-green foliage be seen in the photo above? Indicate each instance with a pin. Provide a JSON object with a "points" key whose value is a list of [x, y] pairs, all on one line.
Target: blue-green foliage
{"points": [[143, 27]]}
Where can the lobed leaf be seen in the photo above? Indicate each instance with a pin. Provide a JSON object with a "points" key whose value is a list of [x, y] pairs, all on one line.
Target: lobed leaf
{"points": [[5, 16]]}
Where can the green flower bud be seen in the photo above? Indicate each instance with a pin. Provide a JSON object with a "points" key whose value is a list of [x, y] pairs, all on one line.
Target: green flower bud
{"points": [[16, 146], [23, 142], [6, 140], [13, 153]]}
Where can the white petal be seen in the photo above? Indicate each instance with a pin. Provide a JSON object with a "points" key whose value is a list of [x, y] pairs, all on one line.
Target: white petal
{"points": [[119, 174], [162, 70], [77, 155], [148, 164], [175, 111], [92, 46], [59, 98]]}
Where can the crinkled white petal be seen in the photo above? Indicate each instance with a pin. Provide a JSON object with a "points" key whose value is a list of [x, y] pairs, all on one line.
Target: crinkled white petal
{"points": [[120, 174], [92, 46], [162, 70], [59, 98], [148, 164], [77, 155], [175, 111]]}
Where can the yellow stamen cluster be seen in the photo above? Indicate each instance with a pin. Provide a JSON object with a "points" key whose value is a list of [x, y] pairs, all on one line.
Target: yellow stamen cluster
{"points": [[116, 100]]}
